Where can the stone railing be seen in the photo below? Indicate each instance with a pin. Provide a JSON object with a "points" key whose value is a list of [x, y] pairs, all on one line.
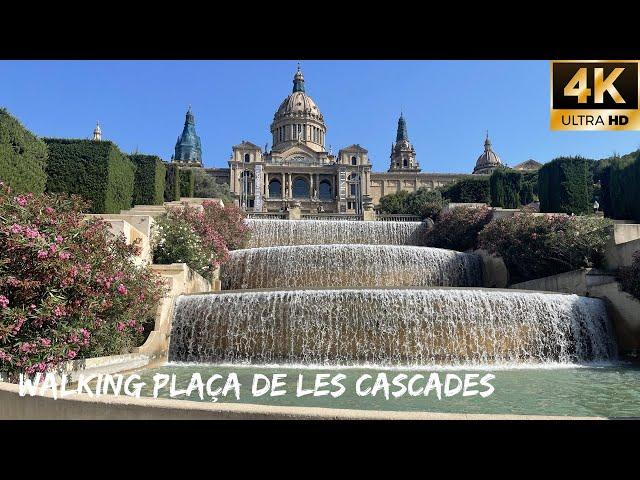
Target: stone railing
{"points": [[331, 216], [389, 217], [268, 215]]}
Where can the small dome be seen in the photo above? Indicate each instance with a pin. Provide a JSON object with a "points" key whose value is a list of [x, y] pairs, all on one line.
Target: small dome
{"points": [[489, 159], [298, 103]]}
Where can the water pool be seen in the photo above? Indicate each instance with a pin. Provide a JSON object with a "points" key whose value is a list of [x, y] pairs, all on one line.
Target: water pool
{"points": [[611, 390]]}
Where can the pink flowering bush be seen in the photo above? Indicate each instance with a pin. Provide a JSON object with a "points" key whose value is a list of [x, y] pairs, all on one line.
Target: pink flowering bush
{"points": [[201, 238], [458, 229], [66, 285], [535, 246]]}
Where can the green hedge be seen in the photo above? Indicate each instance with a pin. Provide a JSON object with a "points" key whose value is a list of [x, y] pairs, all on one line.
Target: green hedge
{"points": [[23, 156], [97, 171], [172, 183], [624, 188], [468, 190], [505, 185], [187, 182], [529, 188], [148, 186], [565, 185]]}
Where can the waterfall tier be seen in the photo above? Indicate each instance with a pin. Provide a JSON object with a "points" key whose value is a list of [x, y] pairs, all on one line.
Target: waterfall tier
{"points": [[320, 266], [391, 327], [271, 233]]}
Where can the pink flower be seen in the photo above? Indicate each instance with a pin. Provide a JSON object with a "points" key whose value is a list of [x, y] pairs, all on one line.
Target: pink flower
{"points": [[45, 342], [65, 256], [15, 228], [4, 301], [42, 254], [122, 290], [48, 210], [58, 311], [120, 326], [59, 239], [21, 200], [53, 248], [72, 354], [31, 232]]}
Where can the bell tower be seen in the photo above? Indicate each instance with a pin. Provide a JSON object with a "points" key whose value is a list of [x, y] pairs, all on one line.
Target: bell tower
{"points": [[403, 155]]}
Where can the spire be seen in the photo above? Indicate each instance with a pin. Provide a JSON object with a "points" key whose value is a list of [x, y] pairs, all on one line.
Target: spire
{"points": [[298, 81], [189, 117], [402, 130], [97, 132], [487, 143]]}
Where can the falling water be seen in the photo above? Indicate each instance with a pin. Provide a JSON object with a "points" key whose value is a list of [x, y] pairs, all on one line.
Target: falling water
{"points": [[391, 327], [271, 233], [318, 266]]}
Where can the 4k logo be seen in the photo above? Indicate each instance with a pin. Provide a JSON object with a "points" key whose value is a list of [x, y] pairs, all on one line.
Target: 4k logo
{"points": [[595, 95]]}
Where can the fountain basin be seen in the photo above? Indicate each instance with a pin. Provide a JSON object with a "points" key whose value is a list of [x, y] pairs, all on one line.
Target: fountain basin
{"points": [[395, 327], [316, 266]]}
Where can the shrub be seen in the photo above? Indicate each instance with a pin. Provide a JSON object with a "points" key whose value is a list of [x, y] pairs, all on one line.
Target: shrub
{"points": [[535, 246], [423, 203], [68, 288], [187, 182], [187, 235], [468, 190], [207, 187], [624, 188], [394, 203], [505, 187], [458, 229], [172, 184], [629, 277], [565, 185], [229, 222], [23, 157], [97, 171], [148, 187], [529, 188]]}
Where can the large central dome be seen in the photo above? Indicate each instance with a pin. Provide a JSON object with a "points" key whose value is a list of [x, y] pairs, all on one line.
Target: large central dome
{"points": [[298, 119]]}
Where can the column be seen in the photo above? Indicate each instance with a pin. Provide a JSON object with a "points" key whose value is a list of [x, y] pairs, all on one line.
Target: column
{"points": [[266, 185], [290, 186], [311, 185]]}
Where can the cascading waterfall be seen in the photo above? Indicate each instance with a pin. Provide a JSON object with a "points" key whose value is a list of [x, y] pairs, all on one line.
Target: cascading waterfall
{"points": [[271, 233], [395, 327], [318, 266]]}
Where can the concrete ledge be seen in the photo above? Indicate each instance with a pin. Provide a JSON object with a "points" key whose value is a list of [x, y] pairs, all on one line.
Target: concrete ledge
{"points": [[109, 407], [104, 365], [575, 281]]}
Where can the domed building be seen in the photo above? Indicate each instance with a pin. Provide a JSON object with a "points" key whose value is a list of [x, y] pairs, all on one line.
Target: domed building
{"points": [[488, 161], [299, 167]]}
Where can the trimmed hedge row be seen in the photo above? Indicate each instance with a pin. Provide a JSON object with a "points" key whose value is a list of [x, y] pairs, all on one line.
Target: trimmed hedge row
{"points": [[23, 156], [187, 182], [624, 188], [172, 183], [97, 171], [505, 186], [148, 187], [468, 190], [565, 185]]}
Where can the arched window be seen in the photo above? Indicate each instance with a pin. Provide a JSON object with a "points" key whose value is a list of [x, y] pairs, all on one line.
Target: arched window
{"points": [[247, 157], [405, 162], [275, 188], [354, 160], [324, 190], [300, 188]]}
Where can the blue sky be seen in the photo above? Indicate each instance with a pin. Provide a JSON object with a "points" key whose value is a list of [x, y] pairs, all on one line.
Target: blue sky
{"points": [[448, 106]]}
